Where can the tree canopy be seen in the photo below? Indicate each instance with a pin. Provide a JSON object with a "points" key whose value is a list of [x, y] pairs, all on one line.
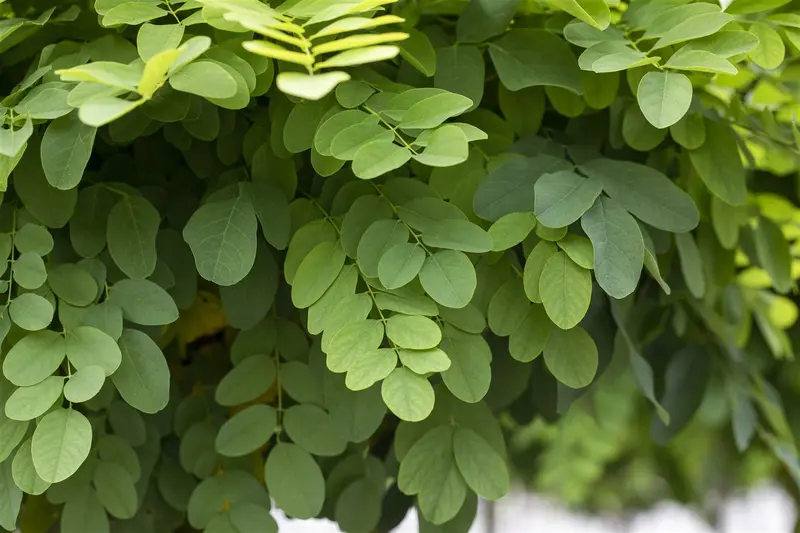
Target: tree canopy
{"points": [[355, 257]]}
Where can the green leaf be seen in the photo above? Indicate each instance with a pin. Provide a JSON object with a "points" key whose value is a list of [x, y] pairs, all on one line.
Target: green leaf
{"points": [[60, 444], [562, 197], [379, 237], [408, 395], [31, 311], [612, 56], [12, 142], [33, 238], [29, 271], [13, 433], [51, 206], [66, 147], [692, 27], [153, 39], [310, 87], [246, 431], [143, 376], [27, 403], [664, 97], [204, 78], [87, 346], [454, 234], [84, 512], [294, 481], [34, 358], [316, 273], [432, 111], [571, 356], [413, 332], [247, 381], [132, 229], [312, 429], [724, 43], [369, 368], [690, 131], [534, 266], [84, 384], [745, 7], [579, 249], [131, 13], [527, 342], [691, 264], [645, 193], [379, 157], [700, 61], [116, 490], [469, 375], [770, 51], [400, 265], [105, 109], [507, 308], [449, 278], [73, 284], [566, 291], [222, 236], [527, 57], [354, 338], [593, 12], [88, 227], [272, 211], [143, 302], [482, 19], [460, 69], [638, 132], [618, 247], [718, 164], [419, 52], [353, 93], [483, 469], [424, 361], [24, 472], [358, 508], [446, 147], [774, 254], [509, 187]]}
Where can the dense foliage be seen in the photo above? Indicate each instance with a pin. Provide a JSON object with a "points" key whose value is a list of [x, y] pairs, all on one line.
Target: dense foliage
{"points": [[355, 256]]}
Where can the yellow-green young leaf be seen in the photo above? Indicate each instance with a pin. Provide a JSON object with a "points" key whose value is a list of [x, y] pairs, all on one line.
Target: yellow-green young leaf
{"points": [[510, 230], [400, 264], [449, 278], [60, 444], [358, 42], [204, 78], [24, 472], [316, 273], [379, 157], [534, 265], [566, 290], [447, 147], [571, 356], [107, 73], [646, 193], [84, 384], [153, 39], [275, 51], [719, 165], [700, 61], [664, 97], [579, 249], [155, 72], [294, 481], [408, 395], [310, 87], [770, 51], [104, 109], [592, 12], [359, 56], [527, 342], [526, 57], [353, 24], [27, 403], [562, 197], [618, 247], [689, 131], [483, 468]]}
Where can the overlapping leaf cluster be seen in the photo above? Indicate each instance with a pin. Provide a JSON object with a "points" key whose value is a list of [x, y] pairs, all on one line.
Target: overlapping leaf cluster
{"points": [[332, 254]]}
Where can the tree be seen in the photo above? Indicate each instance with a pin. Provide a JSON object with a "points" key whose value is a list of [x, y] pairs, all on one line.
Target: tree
{"points": [[339, 253]]}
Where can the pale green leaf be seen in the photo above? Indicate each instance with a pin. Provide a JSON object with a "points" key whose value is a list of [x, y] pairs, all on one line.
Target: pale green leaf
{"points": [[408, 395], [566, 291], [60, 444]]}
